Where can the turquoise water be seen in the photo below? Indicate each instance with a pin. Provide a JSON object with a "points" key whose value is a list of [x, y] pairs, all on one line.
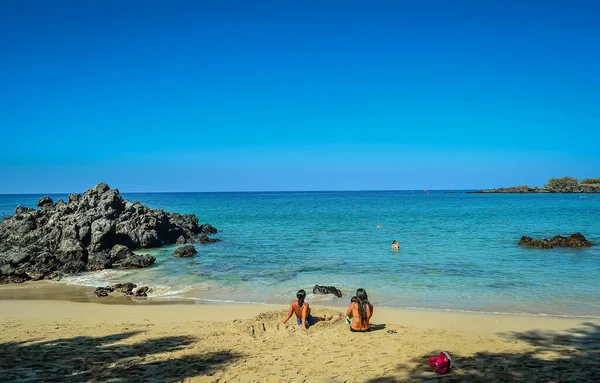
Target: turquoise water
{"points": [[458, 251]]}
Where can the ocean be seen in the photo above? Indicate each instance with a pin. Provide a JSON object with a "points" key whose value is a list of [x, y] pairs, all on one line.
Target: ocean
{"points": [[458, 251]]}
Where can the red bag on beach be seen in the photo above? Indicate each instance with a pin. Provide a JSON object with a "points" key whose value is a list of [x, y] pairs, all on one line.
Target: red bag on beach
{"points": [[441, 363]]}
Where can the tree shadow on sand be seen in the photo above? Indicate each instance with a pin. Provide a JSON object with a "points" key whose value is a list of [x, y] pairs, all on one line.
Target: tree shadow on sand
{"points": [[98, 359], [572, 356]]}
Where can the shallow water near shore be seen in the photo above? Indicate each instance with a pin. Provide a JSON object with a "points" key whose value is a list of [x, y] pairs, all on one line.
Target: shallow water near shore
{"points": [[458, 251]]}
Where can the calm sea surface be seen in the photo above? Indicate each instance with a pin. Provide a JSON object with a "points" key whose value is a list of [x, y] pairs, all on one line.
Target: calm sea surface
{"points": [[458, 251]]}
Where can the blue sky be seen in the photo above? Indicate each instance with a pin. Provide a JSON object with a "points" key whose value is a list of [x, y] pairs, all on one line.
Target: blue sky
{"points": [[303, 95]]}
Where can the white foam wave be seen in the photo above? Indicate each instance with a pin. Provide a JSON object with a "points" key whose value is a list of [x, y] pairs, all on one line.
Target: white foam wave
{"points": [[161, 291], [226, 301], [318, 298], [97, 278]]}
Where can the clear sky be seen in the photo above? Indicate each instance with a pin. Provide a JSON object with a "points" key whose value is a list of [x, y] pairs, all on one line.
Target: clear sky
{"points": [[297, 95]]}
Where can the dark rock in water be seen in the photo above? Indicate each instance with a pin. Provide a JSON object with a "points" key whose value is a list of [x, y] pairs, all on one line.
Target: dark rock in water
{"points": [[576, 241], [204, 239], [137, 261], [103, 291], [128, 288], [206, 228], [185, 252], [82, 233], [327, 290], [537, 243], [45, 201], [119, 252], [142, 291], [125, 288]]}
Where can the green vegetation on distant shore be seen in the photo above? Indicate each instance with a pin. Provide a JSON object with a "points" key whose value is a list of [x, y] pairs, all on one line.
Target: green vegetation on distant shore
{"points": [[554, 185], [569, 182], [561, 183], [590, 181]]}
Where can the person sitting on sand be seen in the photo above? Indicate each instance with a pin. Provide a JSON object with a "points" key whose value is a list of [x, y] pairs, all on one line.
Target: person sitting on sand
{"points": [[302, 311], [395, 245], [352, 300], [361, 312]]}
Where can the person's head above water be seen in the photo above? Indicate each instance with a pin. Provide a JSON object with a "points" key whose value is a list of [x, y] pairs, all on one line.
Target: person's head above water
{"points": [[301, 294], [394, 241]]}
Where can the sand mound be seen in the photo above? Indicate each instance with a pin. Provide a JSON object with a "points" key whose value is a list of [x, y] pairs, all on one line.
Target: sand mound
{"points": [[272, 321]]}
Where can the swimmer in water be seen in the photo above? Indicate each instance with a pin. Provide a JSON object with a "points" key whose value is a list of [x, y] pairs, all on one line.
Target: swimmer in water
{"points": [[395, 245]]}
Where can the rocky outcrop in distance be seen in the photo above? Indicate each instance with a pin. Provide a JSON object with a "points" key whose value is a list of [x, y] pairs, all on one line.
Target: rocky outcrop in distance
{"points": [[576, 241], [327, 290], [582, 188], [93, 231]]}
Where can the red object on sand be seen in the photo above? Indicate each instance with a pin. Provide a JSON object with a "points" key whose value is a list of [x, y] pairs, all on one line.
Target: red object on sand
{"points": [[441, 363]]}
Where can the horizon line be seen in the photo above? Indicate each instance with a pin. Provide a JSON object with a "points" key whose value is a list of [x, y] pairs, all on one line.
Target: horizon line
{"points": [[251, 191]]}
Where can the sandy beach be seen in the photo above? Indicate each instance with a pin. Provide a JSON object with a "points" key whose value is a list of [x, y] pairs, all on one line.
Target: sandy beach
{"points": [[60, 340]]}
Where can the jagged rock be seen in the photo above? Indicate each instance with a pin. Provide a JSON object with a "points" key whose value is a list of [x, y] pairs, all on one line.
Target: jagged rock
{"points": [[137, 261], [537, 243], [125, 288], [204, 239], [111, 205], [119, 252], [181, 240], [327, 290], [103, 291], [72, 267], [99, 261], [45, 201], [207, 228], [185, 252], [101, 188], [142, 291], [23, 210], [42, 265], [80, 234], [103, 234], [71, 250], [186, 221], [576, 241]]}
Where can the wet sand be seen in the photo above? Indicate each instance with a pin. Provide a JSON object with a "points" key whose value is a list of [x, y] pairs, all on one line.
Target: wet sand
{"points": [[73, 341]]}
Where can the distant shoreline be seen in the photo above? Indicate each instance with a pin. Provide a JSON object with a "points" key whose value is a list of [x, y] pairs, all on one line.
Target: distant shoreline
{"points": [[578, 189]]}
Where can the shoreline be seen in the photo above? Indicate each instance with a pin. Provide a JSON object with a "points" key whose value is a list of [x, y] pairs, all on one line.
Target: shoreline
{"points": [[42, 291], [97, 312]]}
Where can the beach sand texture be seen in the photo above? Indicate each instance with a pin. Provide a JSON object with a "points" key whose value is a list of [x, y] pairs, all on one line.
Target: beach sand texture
{"points": [[76, 342]]}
